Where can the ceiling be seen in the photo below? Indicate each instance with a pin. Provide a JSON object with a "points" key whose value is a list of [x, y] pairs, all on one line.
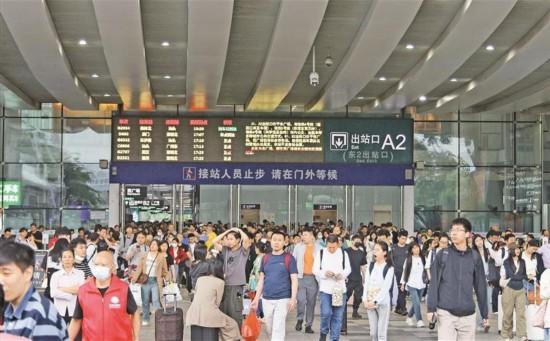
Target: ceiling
{"points": [[250, 55]]}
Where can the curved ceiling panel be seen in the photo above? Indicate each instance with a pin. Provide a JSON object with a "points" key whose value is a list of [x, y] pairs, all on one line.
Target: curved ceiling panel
{"points": [[209, 26], [468, 30], [38, 42], [296, 28], [120, 28], [524, 57], [382, 29], [12, 97]]}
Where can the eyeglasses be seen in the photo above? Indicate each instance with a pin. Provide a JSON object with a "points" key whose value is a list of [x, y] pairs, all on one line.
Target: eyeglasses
{"points": [[459, 229]]}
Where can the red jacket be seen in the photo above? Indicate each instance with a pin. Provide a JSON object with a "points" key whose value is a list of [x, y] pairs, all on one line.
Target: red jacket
{"points": [[105, 318], [180, 257]]}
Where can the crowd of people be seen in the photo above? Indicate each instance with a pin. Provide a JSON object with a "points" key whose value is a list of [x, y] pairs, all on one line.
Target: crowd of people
{"points": [[460, 276]]}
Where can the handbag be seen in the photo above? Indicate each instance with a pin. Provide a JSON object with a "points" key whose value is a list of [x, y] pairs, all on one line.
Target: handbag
{"points": [[533, 296], [143, 278], [538, 319]]}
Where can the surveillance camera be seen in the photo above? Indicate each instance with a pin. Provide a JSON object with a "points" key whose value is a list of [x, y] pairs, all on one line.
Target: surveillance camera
{"points": [[329, 61], [313, 78]]}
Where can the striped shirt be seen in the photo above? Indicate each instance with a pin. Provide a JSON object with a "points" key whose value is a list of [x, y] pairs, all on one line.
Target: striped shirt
{"points": [[84, 267], [35, 318]]}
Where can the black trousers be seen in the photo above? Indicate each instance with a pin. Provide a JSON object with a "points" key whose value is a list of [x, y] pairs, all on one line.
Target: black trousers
{"points": [[494, 298], [355, 287], [401, 304], [199, 333]]}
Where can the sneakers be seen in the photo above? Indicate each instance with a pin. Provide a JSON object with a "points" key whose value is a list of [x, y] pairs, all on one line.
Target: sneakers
{"points": [[144, 323], [420, 324], [410, 322], [309, 330], [299, 325], [356, 316]]}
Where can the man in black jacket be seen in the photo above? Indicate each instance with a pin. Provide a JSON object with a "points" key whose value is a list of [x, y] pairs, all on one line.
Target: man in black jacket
{"points": [[456, 273], [399, 254]]}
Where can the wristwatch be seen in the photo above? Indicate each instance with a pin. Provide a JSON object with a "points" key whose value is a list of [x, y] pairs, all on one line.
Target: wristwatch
{"points": [[375, 302]]}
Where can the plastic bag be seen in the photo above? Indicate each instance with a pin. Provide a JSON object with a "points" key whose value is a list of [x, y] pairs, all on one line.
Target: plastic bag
{"points": [[136, 292], [172, 289], [251, 328]]}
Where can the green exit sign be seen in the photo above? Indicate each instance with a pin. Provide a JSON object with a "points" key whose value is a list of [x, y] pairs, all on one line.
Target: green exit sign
{"points": [[10, 192]]}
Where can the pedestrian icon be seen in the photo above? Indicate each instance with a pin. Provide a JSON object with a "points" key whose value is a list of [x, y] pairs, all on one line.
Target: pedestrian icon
{"points": [[189, 173], [339, 141]]}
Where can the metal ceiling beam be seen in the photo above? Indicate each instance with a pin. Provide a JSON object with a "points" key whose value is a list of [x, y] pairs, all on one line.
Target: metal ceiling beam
{"points": [[530, 97], [470, 28], [209, 26], [523, 58], [383, 27], [297, 25], [32, 28], [121, 32]]}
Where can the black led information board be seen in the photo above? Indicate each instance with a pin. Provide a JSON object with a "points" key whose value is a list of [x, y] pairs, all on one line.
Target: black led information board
{"points": [[169, 139]]}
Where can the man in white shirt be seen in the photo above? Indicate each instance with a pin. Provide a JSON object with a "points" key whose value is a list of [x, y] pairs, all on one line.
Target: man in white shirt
{"points": [[332, 267]]}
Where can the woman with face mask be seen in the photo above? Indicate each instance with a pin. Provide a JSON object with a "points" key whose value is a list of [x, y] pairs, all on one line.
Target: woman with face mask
{"points": [[65, 284], [154, 266]]}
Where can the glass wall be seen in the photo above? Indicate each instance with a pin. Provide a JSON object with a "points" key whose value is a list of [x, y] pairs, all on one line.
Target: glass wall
{"points": [[52, 160], [485, 166]]}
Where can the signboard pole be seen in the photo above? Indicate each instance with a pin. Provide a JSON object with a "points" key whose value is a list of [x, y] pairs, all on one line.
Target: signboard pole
{"points": [[122, 208]]}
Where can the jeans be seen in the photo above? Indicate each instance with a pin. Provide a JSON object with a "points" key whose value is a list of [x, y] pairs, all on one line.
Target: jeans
{"points": [[546, 334], [150, 291], [415, 299], [331, 317], [275, 317]]}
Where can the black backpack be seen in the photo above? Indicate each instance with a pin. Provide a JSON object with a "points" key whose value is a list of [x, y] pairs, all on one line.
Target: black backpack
{"points": [[393, 286]]}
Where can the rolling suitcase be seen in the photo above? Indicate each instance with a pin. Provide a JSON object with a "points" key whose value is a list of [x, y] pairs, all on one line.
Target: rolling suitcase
{"points": [[169, 321]]}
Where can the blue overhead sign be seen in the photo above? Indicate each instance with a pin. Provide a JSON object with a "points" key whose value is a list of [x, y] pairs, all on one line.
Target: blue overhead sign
{"points": [[261, 173]]}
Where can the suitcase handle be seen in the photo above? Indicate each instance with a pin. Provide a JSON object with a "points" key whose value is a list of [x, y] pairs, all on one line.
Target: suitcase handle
{"points": [[164, 296]]}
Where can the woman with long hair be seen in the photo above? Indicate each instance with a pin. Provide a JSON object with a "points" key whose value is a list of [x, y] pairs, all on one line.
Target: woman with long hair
{"points": [[413, 280], [376, 294], [164, 246], [512, 275], [369, 243], [153, 265], [478, 243]]}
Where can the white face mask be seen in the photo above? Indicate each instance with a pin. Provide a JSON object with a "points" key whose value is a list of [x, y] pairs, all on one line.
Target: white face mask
{"points": [[101, 272], [78, 258], [174, 245]]}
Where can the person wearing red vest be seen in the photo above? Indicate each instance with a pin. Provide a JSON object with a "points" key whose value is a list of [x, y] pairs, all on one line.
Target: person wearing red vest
{"points": [[105, 308]]}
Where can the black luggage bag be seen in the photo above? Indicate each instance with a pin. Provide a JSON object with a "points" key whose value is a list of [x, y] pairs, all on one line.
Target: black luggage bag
{"points": [[169, 322]]}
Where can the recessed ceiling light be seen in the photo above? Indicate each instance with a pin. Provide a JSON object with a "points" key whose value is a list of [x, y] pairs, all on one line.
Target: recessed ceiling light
{"points": [[95, 75], [382, 78], [454, 80], [82, 42], [170, 95], [360, 97], [165, 43], [167, 77], [422, 98], [409, 46], [107, 95], [489, 48]]}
